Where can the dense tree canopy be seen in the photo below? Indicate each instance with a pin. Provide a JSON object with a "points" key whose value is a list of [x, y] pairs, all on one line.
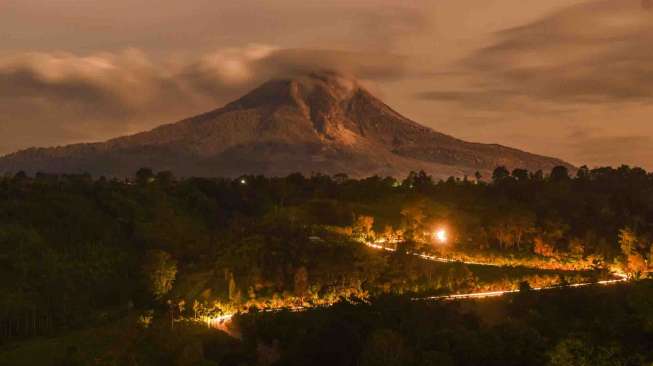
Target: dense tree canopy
{"points": [[74, 248]]}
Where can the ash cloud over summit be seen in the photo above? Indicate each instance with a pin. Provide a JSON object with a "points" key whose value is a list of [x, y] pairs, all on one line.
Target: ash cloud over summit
{"points": [[70, 97]]}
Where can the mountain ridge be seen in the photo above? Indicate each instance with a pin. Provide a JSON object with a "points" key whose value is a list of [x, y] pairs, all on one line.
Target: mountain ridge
{"points": [[316, 123]]}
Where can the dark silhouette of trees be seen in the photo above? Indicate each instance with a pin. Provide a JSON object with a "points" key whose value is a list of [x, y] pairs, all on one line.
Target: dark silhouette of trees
{"points": [[500, 173], [559, 173], [144, 176], [520, 174]]}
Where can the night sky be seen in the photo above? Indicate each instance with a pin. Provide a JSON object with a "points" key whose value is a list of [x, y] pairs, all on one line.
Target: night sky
{"points": [[567, 78]]}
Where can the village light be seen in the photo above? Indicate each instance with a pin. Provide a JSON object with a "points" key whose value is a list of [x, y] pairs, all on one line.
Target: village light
{"points": [[243, 181], [441, 236]]}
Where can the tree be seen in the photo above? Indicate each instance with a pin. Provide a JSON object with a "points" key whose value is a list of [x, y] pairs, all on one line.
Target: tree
{"points": [[419, 181], [234, 291], [633, 262], [576, 247], [385, 348], [500, 173], [559, 173], [520, 174], [20, 176], [583, 172], [165, 177], [553, 232], [510, 226], [363, 227], [414, 216], [301, 281], [538, 176], [576, 352], [160, 270], [541, 247], [144, 175], [627, 241], [435, 358], [341, 178]]}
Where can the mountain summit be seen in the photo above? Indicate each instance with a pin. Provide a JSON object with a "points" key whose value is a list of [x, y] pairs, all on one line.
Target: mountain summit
{"points": [[322, 123]]}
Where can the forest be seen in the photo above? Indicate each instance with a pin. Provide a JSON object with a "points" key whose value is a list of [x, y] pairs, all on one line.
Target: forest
{"points": [[79, 252], [592, 326]]}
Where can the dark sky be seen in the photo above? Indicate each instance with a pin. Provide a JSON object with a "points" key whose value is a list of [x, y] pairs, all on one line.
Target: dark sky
{"points": [[568, 78]]}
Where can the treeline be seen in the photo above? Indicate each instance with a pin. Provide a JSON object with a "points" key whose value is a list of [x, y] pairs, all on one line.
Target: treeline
{"points": [[74, 249]]}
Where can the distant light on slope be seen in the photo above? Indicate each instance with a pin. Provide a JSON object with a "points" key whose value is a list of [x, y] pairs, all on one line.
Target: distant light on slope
{"points": [[441, 236], [243, 181]]}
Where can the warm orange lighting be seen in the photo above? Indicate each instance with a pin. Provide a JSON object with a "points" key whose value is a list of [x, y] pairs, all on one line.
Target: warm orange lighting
{"points": [[441, 236]]}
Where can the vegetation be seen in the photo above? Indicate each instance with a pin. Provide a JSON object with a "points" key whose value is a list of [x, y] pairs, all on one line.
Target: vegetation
{"points": [[598, 326], [592, 326], [77, 251]]}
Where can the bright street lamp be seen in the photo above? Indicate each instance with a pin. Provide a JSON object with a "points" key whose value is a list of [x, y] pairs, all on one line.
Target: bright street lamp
{"points": [[441, 236]]}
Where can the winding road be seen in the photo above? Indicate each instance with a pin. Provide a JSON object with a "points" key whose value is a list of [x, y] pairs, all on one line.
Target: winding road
{"points": [[222, 322]]}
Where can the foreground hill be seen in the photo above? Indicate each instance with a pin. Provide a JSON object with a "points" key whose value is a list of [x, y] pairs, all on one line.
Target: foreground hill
{"points": [[319, 123]]}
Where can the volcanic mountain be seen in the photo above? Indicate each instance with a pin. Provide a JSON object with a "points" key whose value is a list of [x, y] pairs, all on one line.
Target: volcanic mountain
{"points": [[319, 123]]}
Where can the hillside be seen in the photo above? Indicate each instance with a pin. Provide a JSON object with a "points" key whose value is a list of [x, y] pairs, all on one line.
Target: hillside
{"points": [[318, 123]]}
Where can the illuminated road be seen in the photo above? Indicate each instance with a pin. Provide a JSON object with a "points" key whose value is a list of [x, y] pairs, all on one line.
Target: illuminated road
{"points": [[223, 322], [431, 257], [482, 295]]}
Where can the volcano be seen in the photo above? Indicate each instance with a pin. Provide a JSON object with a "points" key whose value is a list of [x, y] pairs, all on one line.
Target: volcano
{"points": [[319, 123]]}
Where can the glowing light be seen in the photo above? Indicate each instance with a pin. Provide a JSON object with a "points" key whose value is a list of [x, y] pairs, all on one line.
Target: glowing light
{"points": [[441, 236], [482, 295], [218, 322], [243, 181]]}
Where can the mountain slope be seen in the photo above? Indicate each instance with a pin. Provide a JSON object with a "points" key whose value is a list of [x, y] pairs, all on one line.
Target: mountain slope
{"points": [[319, 123]]}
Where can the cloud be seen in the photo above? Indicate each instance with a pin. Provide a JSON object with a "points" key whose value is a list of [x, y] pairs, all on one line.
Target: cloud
{"points": [[198, 24], [244, 68], [368, 65], [481, 99], [614, 150], [54, 98], [595, 52], [97, 84]]}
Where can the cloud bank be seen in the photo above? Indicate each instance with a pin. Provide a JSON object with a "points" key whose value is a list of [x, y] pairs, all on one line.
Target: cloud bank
{"points": [[596, 52], [587, 66]]}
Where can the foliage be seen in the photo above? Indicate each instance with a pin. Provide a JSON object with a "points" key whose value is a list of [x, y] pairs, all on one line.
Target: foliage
{"points": [[159, 270], [73, 249], [589, 326]]}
